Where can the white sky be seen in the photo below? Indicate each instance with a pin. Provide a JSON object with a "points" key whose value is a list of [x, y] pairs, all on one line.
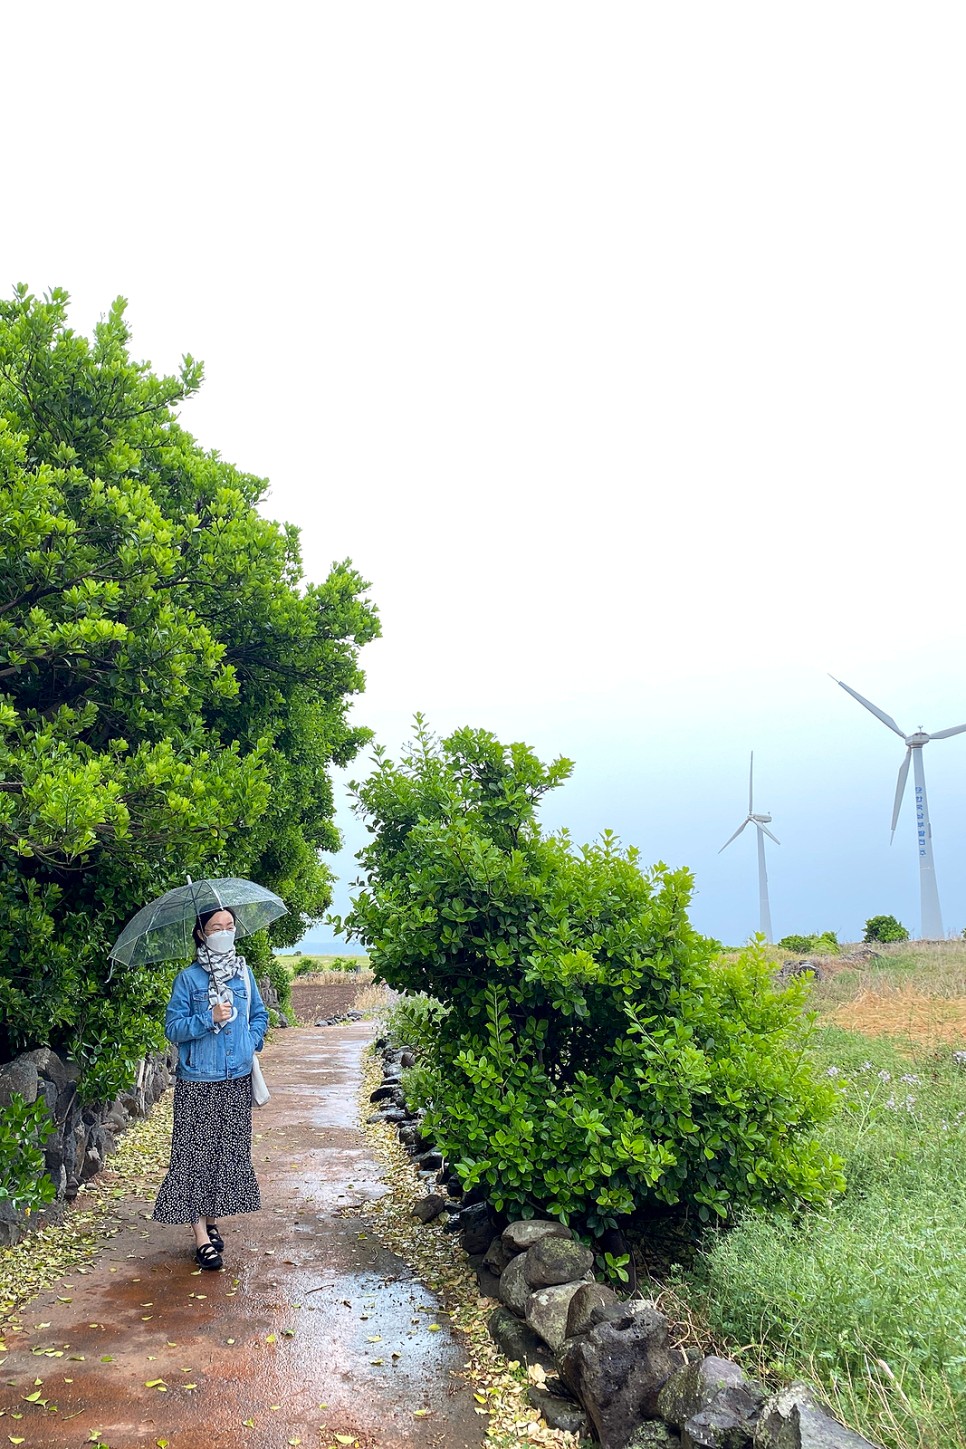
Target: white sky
{"points": [[620, 346]]}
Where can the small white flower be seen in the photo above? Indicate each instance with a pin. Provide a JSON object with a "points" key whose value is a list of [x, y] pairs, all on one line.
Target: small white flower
{"points": [[911, 1080], [885, 1077]]}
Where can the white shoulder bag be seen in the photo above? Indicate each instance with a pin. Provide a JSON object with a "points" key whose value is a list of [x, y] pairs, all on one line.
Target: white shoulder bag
{"points": [[260, 1092]]}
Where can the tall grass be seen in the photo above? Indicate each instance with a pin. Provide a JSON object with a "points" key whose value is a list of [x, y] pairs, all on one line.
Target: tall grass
{"points": [[868, 1296]]}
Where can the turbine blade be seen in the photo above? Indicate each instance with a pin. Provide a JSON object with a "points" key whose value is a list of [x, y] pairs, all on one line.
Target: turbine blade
{"points": [[900, 787], [734, 837], [768, 833], [944, 734], [874, 709], [751, 783]]}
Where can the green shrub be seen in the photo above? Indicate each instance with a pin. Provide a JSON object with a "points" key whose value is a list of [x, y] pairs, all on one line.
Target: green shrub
{"points": [[800, 944], [346, 963], [24, 1128], [414, 1021], [304, 966], [885, 929], [826, 944], [594, 1058]]}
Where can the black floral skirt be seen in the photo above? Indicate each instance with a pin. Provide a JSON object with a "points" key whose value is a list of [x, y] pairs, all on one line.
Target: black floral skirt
{"points": [[211, 1173]]}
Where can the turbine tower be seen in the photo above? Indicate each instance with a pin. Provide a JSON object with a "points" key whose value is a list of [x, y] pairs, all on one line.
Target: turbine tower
{"points": [[761, 822], [932, 921]]}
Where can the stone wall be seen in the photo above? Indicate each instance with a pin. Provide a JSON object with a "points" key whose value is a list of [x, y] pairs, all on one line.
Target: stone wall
{"points": [[85, 1134]]}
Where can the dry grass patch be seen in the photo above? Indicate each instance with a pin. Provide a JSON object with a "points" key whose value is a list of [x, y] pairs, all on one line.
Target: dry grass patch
{"points": [[904, 1011]]}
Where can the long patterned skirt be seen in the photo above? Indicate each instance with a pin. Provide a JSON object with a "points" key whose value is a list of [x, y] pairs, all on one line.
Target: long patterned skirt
{"points": [[211, 1173]]}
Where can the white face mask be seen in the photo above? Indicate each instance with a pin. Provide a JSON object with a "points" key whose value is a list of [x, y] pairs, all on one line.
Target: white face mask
{"points": [[220, 942]]}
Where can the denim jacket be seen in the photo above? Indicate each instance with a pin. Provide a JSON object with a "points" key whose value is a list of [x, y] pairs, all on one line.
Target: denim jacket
{"points": [[207, 1053]]}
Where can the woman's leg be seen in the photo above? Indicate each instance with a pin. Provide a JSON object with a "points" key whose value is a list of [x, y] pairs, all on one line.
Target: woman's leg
{"points": [[200, 1229]]}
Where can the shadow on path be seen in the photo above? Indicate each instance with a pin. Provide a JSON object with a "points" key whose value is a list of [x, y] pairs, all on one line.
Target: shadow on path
{"points": [[312, 1331]]}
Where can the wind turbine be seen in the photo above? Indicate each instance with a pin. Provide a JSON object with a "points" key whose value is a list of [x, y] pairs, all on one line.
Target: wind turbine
{"points": [[762, 823], [932, 921]]}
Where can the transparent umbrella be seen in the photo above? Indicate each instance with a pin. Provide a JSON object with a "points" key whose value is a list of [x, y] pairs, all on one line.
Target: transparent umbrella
{"points": [[162, 930]]}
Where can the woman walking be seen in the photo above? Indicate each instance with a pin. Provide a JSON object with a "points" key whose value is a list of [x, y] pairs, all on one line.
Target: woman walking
{"points": [[218, 1021]]}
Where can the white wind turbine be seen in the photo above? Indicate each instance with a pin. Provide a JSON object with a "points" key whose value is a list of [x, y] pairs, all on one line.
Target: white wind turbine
{"points": [[932, 921], [761, 822]]}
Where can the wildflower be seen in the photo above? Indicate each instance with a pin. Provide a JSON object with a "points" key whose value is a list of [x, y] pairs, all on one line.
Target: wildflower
{"points": [[911, 1079], [885, 1077]]}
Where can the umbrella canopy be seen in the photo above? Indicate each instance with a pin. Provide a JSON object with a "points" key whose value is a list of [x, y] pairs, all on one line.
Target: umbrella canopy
{"points": [[162, 931]]}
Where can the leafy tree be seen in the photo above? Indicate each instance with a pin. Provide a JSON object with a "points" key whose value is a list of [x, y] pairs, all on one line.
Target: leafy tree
{"points": [[885, 929], [591, 1056], [172, 693]]}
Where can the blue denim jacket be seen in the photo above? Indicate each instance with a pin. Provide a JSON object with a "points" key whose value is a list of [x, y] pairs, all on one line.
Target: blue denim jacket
{"points": [[204, 1053]]}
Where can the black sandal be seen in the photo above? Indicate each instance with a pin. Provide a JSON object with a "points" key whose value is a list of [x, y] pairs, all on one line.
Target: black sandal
{"points": [[215, 1238], [208, 1257]]}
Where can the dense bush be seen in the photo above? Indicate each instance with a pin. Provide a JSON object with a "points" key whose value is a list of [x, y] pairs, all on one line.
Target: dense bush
{"points": [[826, 944], [414, 1021], [24, 1128], [593, 1057], [885, 929], [173, 693], [304, 966]]}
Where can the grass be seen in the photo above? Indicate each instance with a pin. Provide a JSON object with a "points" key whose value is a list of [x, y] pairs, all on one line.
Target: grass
{"points": [[867, 1298]]}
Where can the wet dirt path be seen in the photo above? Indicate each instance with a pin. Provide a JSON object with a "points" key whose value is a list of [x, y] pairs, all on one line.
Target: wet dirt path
{"points": [[312, 1332]]}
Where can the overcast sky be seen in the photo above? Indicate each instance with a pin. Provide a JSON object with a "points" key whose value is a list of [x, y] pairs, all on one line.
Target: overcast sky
{"points": [[621, 346]]}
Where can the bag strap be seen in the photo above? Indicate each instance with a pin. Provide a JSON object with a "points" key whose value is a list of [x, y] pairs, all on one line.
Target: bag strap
{"points": [[248, 991]]}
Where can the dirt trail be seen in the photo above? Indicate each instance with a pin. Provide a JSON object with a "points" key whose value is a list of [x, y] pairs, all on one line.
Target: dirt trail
{"points": [[312, 1332]]}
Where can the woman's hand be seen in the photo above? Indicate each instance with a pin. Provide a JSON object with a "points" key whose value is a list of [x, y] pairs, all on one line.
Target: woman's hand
{"points": [[220, 1012]]}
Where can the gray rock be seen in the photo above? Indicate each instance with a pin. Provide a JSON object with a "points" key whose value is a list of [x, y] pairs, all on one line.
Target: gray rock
{"points": [[383, 1094], [429, 1207], [19, 1076], [514, 1288], [497, 1256], [10, 1225], [696, 1385], [430, 1161], [654, 1435], [618, 1369], [520, 1236], [722, 1425], [489, 1283], [516, 1340], [557, 1260], [792, 1419], [559, 1413], [477, 1228], [407, 1059], [791, 969], [49, 1065], [586, 1307], [546, 1312]]}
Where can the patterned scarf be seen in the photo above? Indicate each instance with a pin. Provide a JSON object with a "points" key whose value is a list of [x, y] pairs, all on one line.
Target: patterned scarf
{"points": [[221, 967]]}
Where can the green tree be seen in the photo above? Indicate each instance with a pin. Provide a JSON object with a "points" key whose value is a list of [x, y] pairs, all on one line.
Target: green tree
{"points": [[172, 693], [885, 929], [593, 1056]]}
